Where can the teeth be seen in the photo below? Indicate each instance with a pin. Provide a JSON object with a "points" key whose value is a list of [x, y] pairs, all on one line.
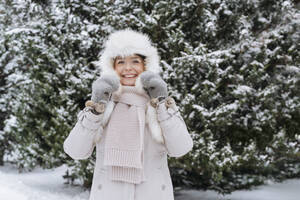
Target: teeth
{"points": [[129, 76]]}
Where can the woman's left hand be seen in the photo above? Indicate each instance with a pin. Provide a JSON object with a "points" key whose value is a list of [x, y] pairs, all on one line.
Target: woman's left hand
{"points": [[154, 84]]}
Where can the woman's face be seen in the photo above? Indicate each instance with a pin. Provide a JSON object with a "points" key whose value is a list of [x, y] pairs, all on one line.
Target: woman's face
{"points": [[129, 68]]}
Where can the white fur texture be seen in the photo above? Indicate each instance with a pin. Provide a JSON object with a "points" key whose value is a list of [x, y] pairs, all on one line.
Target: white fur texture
{"points": [[106, 115], [155, 129], [109, 108]]}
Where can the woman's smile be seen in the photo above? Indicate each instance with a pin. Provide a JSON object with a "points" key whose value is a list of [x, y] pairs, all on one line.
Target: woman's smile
{"points": [[129, 75]]}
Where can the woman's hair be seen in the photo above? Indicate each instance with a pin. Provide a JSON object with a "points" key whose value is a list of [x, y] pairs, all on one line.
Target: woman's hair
{"points": [[142, 56]]}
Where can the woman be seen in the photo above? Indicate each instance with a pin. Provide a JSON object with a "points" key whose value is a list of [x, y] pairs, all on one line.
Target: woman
{"points": [[132, 122]]}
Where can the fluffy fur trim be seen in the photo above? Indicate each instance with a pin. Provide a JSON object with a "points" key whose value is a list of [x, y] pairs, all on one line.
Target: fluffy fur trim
{"points": [[125, 43], [154, 126], [105, 117], [109, 108]]}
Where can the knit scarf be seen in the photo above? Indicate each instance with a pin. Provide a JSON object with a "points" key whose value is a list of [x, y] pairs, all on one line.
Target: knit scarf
{"points": [[124, 143]]}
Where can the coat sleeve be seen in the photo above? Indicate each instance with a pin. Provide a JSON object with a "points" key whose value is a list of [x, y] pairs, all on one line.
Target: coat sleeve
{"points": [[81, 141], [177, 139]]}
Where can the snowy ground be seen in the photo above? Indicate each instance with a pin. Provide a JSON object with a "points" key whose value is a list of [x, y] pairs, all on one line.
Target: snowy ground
{"points": [[49, 185]]}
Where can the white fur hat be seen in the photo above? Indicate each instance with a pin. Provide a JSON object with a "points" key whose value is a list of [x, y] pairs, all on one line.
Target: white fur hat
{"points": [[125, 43]]}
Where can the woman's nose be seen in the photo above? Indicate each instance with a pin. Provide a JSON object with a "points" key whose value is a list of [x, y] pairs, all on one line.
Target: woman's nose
{"points": [[127, 66]]}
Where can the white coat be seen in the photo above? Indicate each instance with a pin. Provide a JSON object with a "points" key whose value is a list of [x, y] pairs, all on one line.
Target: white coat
{"points": [[177, 142]]}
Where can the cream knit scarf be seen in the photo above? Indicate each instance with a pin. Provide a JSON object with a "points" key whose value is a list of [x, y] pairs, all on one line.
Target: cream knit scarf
{"points": [[124, 143]]}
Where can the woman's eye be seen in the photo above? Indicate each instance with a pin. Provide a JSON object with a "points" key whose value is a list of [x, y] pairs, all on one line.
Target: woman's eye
{"points": [[136, 61], [120, 62]]}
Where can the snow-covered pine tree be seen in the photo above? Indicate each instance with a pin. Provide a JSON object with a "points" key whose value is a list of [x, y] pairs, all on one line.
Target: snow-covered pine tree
{"points": [[3, 114], [239, 84], [55, 53], [11, 14]]}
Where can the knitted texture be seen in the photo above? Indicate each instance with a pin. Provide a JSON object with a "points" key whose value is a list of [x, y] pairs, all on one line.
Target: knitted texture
{"points": [[124, 142]]}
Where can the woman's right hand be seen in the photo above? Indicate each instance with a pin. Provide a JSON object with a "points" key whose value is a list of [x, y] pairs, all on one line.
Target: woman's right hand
{"points": [[103, 87]]}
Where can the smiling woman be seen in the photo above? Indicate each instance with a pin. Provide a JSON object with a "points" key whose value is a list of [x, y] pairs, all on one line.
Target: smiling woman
{"points": [[129, 68], [138, 127]]}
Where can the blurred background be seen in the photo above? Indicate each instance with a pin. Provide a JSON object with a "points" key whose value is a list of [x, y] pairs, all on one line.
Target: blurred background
{"points": [[233, 66]]}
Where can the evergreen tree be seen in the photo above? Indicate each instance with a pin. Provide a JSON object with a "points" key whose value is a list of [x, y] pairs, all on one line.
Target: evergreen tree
{"points": [[11, 75], [240, 91]]}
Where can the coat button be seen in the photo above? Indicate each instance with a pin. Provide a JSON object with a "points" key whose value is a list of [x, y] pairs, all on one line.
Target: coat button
{"points": [[163, 187], [99, 187]]}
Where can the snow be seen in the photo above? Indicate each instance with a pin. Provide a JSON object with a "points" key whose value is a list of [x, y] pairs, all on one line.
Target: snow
{"points": [[37, 185], [49, 185], [288, 190], [243, 89], [18, 30]]}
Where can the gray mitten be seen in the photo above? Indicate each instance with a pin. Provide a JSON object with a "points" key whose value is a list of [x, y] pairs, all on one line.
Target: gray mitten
{"points": [[154, 85], [103, 87]]}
